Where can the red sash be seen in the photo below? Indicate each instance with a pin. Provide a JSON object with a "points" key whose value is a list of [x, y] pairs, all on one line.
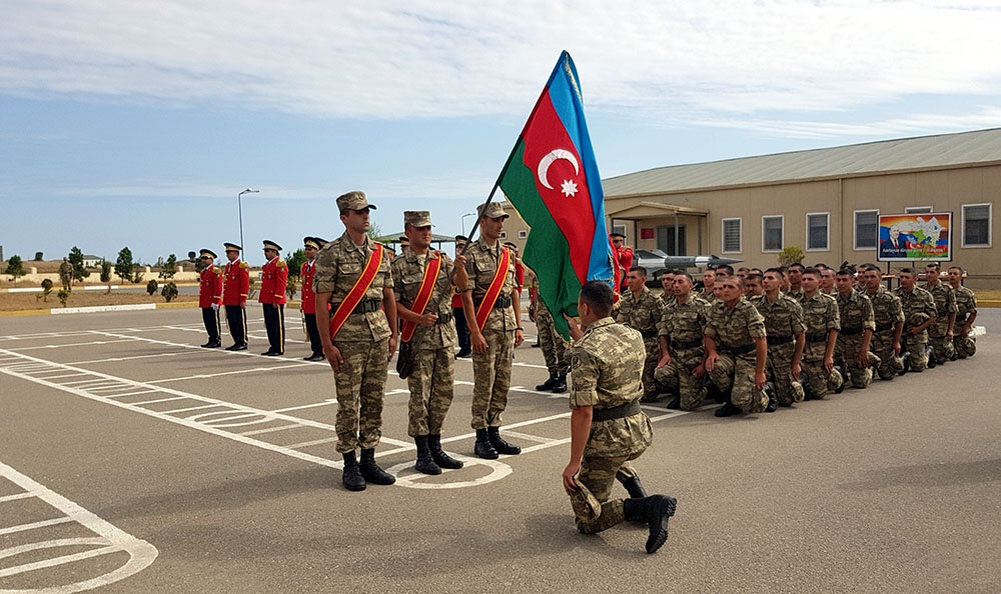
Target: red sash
{"points": [[494, 290], [423, 295], [354, 296]]}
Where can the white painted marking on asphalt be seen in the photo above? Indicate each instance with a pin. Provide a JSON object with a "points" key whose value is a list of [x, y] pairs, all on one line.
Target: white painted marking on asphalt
{"points": [[327, 402], [306, 444], [33, 525], [271, 429], [498, 470]]}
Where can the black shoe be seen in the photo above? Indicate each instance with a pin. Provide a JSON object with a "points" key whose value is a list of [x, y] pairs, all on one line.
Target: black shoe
{"points": [[275, 353], [536, 345], [483, 448], [634, 487], [237, 347], [439, 456], [371, 472], [650, 397], [351, 476], [502, 447], [315, 357], [561, 385], [212, 344], [655, 510], [425, 464], [675, 403], [726, 410], [772, 405], [463, 354], [546, 385]]}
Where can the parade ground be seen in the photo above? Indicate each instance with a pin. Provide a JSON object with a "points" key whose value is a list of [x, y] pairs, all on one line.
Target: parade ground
{"points": [[133, 461]]}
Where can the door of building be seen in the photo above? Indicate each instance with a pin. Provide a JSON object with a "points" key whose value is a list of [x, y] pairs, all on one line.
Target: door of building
{"points": [[665, 240]]}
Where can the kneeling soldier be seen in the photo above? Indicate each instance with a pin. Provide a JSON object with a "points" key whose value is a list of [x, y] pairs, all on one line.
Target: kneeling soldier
{"points": [[857, 325], [736, 349]]}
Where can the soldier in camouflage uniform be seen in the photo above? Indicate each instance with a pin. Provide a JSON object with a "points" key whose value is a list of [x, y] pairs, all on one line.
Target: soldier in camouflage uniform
{"points": [[641, 310], [752, 285], [708, 284], [794, 274], [494, 343], [786, 337], [919, 313], [822, 321], [681, 367], [667, 283], [432, 379], [555, 350], [736, 350], [966, 313], [858, 322], [940, 334], [888, 316], [607, 427], [359, 353]]}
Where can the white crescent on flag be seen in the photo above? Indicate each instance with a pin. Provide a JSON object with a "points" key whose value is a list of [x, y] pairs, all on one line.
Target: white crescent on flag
{"points": [[550, 158]]}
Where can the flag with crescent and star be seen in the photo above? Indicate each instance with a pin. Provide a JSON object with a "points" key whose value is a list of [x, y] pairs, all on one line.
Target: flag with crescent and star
{"points": [[552, 180]]}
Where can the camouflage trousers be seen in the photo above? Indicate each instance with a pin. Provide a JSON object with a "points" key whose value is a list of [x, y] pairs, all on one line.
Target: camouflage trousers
{"points": [[779, 370], [966, 346], [676, 377], [890, 363], [593, 510], [650, 365], [939, 341], [431, 390], [492, 378], [917, 346], [736, 375], [816, 378], [555, 350], [846, 353], [361, 385]]}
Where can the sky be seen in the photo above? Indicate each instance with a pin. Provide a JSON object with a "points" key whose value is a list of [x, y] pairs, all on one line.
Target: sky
{"points": [[137, 123]]}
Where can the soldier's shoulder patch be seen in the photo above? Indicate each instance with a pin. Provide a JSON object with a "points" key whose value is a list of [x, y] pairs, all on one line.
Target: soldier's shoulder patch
{"points": [[244, 265]]}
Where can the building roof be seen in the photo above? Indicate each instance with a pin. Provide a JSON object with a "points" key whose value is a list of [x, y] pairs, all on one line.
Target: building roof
{"points": [[980, 147]]}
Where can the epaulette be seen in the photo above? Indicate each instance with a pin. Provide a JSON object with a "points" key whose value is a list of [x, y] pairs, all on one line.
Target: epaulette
{"points": [[244, 265], [216, 270], [281, 264]]}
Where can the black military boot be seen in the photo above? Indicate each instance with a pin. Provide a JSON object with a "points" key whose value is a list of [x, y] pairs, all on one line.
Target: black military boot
{"points": [[351, 476], [675, 403], [905, 358], [425, 463], [634, 487], [726, 410], [561, 384], [502, 447], [654, 510], [439, 456], [371, 471], [932, 360], [483, 448], [547, 385]]}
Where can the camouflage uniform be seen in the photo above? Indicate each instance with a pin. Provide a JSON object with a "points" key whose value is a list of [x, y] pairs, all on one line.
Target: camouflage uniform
{"points": [[555, 349], [431, 382], [643, 314], [856, 317], [363, 341], [797, 295], [783, 321], [707, 295], [918, 306], [945, 306], [492, 369], [734, 331], [820, 316], [966, 305], [605, 365], [684, 326], [887, 312]]}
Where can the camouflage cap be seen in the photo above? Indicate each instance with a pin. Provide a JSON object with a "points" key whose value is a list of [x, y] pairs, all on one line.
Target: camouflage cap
{"points": [[417, 218], [493, 211], [355, 200], [835, 380]]}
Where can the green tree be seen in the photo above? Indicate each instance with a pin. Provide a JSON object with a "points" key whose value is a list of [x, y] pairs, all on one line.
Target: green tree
{"points": [[106, 273], [169, 268], [124, 265], [151, 287], [63, 295], [791, 255], [46, 289], [169, 291], [80, 271], [15, 268], [295, 262]]}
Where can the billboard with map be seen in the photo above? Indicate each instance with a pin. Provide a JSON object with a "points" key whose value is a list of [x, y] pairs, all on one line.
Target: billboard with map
{"points": [[915, 236]]}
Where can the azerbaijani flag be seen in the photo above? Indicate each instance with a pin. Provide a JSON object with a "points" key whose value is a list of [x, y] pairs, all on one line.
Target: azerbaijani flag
{"points": [[552, 180]]}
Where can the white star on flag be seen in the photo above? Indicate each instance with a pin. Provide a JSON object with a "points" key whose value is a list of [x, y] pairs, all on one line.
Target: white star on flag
{"points": [[569, 188]]}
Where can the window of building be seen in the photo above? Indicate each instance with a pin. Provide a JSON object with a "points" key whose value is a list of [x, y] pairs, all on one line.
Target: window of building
{"points": [[818, 227], [620, 229], [866, 229], [771, 233], [731, 236], [503, 234], [917, 209], [522, 234], [977, 225]]}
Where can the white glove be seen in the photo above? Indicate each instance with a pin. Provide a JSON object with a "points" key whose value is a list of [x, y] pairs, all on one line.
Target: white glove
{"points": [[215, 306]]}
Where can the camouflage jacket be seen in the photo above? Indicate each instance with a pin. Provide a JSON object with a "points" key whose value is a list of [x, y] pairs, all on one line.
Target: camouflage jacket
{"points": [[797, 295], [782, 318], [856, 313], [886, 309], [737, 327], [338, 266], [945, 299], [606, 366], [966, 304], [481, 264], [918, 306], [408, 273], [685, 323], [641, 314], [820, 315]]}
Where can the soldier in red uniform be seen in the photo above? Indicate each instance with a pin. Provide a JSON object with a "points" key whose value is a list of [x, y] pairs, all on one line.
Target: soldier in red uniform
{"points": [[274, 281], [210, 297], [623, 257], [308, 270], [236, 286]]}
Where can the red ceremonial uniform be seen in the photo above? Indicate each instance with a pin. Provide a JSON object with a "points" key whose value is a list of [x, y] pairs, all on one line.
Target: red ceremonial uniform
{"points": [[237, 283], [274, 280], [211, 287], [519, 274], [306, 273]]}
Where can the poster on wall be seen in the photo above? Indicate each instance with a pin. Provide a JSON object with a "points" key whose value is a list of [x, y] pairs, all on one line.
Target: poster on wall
{"points": [[917, 236]]}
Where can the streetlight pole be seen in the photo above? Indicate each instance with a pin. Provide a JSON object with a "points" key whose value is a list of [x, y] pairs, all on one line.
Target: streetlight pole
{"points": [[468, 214], [239, 205]]}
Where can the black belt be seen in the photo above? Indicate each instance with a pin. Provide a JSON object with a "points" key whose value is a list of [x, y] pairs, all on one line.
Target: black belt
{"points": [[777, 340], [616, 412], [444, 319], [365, 306], [885, 327], [852, 331], [686, 344], [648, 334], [503, 301], [736, 350], [818, 337]]}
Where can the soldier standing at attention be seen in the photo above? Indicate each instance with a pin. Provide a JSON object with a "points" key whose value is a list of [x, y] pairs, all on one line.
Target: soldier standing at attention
{"points": [[307, 272], [492, 306], [274, 281], [641, 310], [422, 281], [794, 273], [210, 297], [236, 287], [736, 350], [822, 321], [752, 285], [708, 284], [919, 313], [66, 274], [786, 338], [940, 334], [681, 367], [829, 281], [555, 350], [858, 322], [623, 258], [607, 427], [889, 320], [353, 275], [461, 329], [966, 313]]}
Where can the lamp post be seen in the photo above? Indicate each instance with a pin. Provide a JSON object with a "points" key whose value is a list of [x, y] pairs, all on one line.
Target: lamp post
{"points": [[239, 205], [468, 214]]}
